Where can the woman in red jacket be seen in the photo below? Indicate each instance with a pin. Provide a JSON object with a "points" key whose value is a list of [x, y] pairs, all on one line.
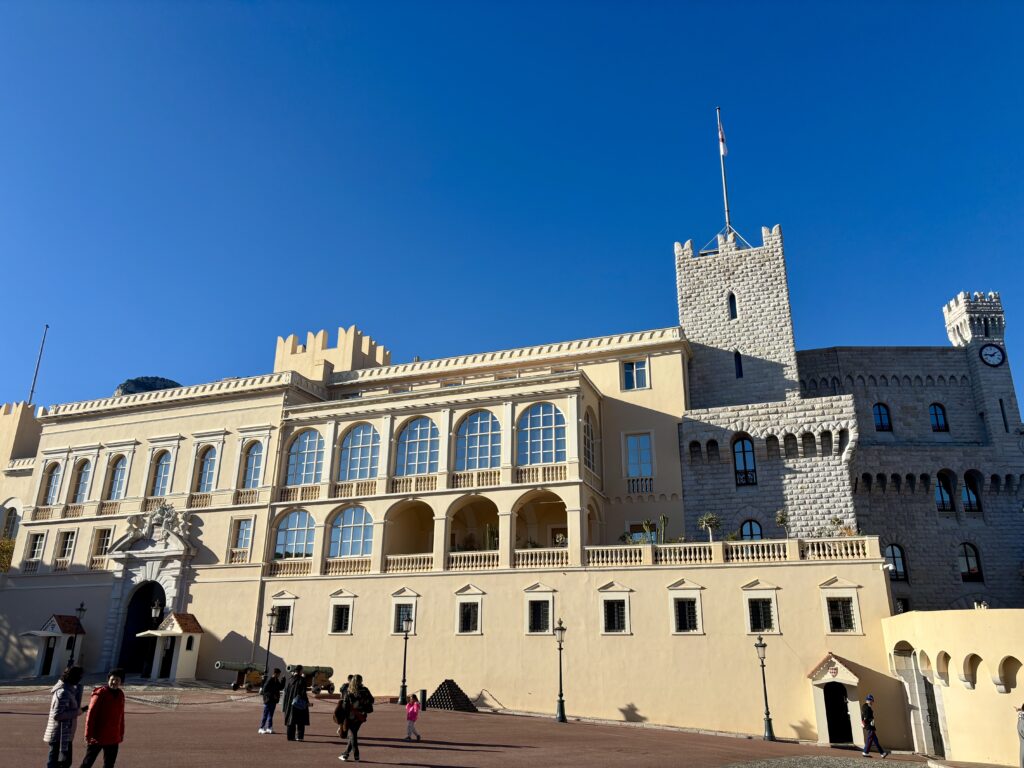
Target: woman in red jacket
{"points": [[104, 725]]}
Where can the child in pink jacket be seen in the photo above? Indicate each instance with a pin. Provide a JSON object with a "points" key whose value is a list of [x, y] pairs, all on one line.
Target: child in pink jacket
{"points": [[412, 712]]}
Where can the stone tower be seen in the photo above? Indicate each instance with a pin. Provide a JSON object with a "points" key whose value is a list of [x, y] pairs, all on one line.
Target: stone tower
{"points": [[734, 309], [976, 322]]}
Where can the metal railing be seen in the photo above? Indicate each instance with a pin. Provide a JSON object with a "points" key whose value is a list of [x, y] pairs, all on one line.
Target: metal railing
{"points": [[746, 477]]}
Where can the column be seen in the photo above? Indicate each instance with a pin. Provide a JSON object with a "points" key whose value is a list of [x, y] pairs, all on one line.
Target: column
{"points": [[575, 520], [508, 445], [319, 549], [506, 539], [377, 553], [444, 442], [440, 542], [387, 424], [327, 475]]}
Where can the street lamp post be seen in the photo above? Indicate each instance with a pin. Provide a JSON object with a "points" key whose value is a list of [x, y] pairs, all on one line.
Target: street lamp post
{"points": [[272, 618], [157, 612], [761, 646], [407, 628], [560, 706], [80, 610]]}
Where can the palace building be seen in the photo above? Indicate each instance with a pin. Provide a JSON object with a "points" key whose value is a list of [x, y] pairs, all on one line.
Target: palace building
{"points": [[670, 495]]}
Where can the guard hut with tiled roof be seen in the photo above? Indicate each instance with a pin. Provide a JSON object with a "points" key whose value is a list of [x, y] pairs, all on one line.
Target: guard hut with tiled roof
{"points": [[57, 642], [177, 647]]}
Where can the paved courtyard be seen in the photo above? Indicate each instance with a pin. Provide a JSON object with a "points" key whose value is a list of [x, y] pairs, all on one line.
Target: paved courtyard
{"points": [[207, 727]]}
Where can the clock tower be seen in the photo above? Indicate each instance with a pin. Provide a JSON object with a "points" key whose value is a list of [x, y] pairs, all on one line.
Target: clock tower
{"points": [[976, 322]]}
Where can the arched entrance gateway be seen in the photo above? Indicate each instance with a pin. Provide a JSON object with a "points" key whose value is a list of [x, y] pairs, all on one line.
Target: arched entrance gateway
{"points": [[150, 562]]}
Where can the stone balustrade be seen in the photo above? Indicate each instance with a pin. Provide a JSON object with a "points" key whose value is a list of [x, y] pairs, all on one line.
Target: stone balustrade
{"points": [[98, 563], [473, 561], [614, 556], [542, 473], [764, 551], [409, 563], [481, 478], [296, 567], [346, 566], [554, 557], [238, 555]]}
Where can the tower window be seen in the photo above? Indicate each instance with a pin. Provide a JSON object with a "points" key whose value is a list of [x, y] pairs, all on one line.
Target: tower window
{"points": [[738, 362], [751, 531], [970, 563], [732, 307], [743, 460], [634, 374], [895, 557], [937, 414], [883, 423]]}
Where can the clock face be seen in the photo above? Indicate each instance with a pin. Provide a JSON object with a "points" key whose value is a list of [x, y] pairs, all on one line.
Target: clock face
{"points": [[992, 355]]}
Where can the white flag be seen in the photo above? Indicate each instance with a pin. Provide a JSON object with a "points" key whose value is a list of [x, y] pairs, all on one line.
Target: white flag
{"points": [[724, 150]]}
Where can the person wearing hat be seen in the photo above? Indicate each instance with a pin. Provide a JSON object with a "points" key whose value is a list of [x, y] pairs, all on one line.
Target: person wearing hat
{"points": [[867, 719]]}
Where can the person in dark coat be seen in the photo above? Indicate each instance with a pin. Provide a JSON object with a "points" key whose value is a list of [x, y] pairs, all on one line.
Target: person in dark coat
{"points": [[65, 706], [867, 719], [1020, 732], [358, 705], [271, 693], [295, 705], [104, 725]]}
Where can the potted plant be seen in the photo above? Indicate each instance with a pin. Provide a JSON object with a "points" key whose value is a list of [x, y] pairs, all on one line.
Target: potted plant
{"points": [[782, 520], [709, 522]]}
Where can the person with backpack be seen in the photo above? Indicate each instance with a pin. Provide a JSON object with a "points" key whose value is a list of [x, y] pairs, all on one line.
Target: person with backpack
{"points": [[295, 705], [104, 725], [867, 719], [341, 710], [271, 693], [65, 706], [358, 705]]}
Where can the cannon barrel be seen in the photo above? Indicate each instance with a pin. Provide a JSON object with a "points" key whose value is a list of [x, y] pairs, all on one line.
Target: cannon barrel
{"points": [[235, 666], [328, 671]]}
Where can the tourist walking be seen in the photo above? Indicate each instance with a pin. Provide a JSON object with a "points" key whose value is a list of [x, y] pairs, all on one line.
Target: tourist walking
{"points": [[65, 706], [358, 705], [412, 713], [295, 705], [271, 693], [867, 719], [104, 725]]}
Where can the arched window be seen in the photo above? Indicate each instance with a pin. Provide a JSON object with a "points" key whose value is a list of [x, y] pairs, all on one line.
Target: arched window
{"points": [[696, 456], [743, 461], [771, 445], [737, 360], [118, 475], [937, 414], [944, 492], [970, 563], [882, 421], [295, 536], [789, 443], [541, 436], [808, 445], [478, 445], [895, 556], [713, 454], [751, 531], [417, 448], [970, 494], [360, 451], [51, 484], [81, 489], [207, 465], [352, 534], [161, 474], [589, 443], [253, 465], [305, 458], [732, 307]]}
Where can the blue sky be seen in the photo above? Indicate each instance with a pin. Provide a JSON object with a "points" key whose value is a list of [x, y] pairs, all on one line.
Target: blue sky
{"points": [[180, 183]]}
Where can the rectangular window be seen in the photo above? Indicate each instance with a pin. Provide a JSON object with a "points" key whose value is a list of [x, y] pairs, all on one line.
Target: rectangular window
{"points": [[540, 616], [469, 618], [101, 543], [340, 615], [65, 545], [639, 461], [283, 618], [686, 614], [1002, 410], [840, 614], [35, 546], [402, 612], [614, 615], [761, 614], [634, 374], [243, 534]]}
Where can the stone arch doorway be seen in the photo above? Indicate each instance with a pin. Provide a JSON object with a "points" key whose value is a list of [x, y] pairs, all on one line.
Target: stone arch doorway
{"points": [[837, 713], [136, 657]]}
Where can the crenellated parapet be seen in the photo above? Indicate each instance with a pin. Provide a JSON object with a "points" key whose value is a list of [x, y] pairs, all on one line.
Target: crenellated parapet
{"points": [[19, 432], [976, 315], [316, 360]]}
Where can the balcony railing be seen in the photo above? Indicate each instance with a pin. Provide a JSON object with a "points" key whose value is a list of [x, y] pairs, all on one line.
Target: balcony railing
{"points": [[73, 510], [755, 551], [299, 493], [542, 473], [199, 500], [247, 496], [43, 513], [555, 557], [61, 564], [354, 488], [109, 508], [296, 567], [473, 561], [639, 485], [237, 555], [414, 484], [347, 566], [152, 503], [835, 549], [746, 477], [682, 554], [409, 563], [614, 557], [30, 566], [480, 478], [98, 563]]}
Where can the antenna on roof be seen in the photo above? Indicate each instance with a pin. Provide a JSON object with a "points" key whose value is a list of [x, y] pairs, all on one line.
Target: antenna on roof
{"points": [[723, 150], [39, 359]]}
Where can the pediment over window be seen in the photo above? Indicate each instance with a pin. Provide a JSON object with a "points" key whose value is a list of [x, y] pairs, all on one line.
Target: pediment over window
{"points": [[538, 587], [684, 584], [404, 592], [758, 584], [469, 589], [837, 582], [344, 593], [283, 595], [614, 586]]}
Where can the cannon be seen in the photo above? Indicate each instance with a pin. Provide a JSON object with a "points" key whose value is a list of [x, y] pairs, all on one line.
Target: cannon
{"points": [[247, 674], [317, 678]]}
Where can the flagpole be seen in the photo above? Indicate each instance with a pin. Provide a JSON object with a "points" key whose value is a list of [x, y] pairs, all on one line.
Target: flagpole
{"points": [[721, 157], [39, 359]]}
